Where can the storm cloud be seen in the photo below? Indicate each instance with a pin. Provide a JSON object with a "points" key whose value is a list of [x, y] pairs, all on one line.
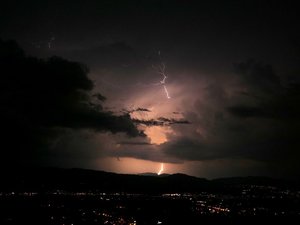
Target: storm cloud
{"points": [[258, 121], [232, 72], [41, 96]]}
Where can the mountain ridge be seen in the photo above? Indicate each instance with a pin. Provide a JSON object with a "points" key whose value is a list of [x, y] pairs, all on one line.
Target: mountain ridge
{"points": [[77, 179]]}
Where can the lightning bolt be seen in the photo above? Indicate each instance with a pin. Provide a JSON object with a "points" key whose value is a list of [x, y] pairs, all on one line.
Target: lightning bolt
{"points": [[166, 91], [52, 39], [161, 169], [162, 70]]}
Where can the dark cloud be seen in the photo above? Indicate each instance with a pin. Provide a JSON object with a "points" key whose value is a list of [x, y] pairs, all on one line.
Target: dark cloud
{"points": [[189, 149], [270, 98], [100, 97], [139, 109], [161, 121], [134, 143], [117, 54], [142, 110], [246, 111], [39, 95], [261, 77], [260, 126]]}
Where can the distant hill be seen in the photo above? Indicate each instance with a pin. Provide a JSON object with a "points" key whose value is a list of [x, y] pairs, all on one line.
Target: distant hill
{"points": [[47, 179], [154, 174], [255, 180], [148, 174]]}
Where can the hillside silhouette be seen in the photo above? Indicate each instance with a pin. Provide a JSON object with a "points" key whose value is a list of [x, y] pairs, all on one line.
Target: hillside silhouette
{"points": [[38, 179]]}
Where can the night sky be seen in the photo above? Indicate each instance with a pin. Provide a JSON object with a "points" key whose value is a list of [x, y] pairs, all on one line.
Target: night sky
{"points": [[209, 89]]}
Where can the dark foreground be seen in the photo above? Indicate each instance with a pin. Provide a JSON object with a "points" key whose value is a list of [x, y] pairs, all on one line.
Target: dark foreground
{"points": [[28, 199]]}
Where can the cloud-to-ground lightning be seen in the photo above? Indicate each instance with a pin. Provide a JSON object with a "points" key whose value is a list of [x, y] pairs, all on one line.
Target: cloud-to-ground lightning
{"points": [[161, 169]]}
